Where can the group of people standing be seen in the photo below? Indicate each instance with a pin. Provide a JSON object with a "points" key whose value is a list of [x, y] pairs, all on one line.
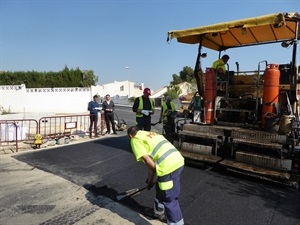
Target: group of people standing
{"points": [[108, 107]]}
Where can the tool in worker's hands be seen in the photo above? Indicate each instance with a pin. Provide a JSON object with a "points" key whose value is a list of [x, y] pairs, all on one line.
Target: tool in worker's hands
{"points": [[149, 186], [130, 193], [153, 124], [133, 192]]}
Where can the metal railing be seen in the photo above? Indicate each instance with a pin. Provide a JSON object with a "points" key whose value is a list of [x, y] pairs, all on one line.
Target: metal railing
{"points": [[13, 132], [9, 134], [59, 126], [16, 131]]}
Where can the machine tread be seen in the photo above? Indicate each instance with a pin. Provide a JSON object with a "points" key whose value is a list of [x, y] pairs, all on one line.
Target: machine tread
{"points": [[257, 144], [200, 157], [197, 134], [255, 169]]}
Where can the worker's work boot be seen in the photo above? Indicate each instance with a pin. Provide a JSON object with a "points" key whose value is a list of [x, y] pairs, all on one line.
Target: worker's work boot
{"points": [[159, 210], [150, 212]]}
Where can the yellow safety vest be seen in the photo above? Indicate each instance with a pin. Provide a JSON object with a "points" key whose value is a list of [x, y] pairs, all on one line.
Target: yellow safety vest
{"points": [[141, 105], [165, 110], [165, 156], [219, 64]]}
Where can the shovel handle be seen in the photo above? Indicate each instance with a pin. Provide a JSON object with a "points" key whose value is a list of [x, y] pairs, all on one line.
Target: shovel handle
{"points": [[127, 194], [137, 191]]}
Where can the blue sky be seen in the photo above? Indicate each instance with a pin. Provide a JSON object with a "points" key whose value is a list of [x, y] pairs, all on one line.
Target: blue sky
{"points": [[107, 36]]}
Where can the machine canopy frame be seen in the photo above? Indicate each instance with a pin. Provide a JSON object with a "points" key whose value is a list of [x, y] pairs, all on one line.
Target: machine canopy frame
{"points": [[265, 29]]}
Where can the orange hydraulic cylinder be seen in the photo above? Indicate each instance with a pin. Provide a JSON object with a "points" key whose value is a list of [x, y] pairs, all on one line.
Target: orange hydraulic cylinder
{"points": [[209, 95], [270, 91]]}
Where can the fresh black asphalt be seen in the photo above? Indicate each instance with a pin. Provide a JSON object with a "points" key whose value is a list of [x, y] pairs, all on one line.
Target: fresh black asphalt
{"points": [[209, 196]]}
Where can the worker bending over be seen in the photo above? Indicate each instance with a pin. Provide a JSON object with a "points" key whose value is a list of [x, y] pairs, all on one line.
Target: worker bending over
{"points": [[164, 161]]}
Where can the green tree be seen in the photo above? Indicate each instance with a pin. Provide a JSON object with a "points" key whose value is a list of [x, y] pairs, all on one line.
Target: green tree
{"points": [[89, 78], [65, 78], [187, 74], [173, 91], [176, 79]]}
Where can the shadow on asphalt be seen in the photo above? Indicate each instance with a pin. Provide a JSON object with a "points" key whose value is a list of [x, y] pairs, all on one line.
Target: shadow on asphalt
{"points": [[112, 194]]}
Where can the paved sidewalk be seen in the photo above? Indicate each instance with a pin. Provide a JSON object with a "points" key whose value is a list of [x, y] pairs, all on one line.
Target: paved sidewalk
{"points": [[32, 196]]}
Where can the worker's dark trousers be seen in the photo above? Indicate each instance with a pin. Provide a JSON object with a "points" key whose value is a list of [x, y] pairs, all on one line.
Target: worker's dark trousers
{"points": [[109, 118], [169, 198], [93, 123], [144, 123]]}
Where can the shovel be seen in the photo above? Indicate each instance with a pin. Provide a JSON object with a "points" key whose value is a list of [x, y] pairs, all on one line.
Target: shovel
{"points": [[132, 192], [153, 124]]}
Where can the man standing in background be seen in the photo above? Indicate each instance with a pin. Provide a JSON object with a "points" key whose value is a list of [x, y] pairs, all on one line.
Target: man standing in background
{"points": [[94, 108], [108, 107]]}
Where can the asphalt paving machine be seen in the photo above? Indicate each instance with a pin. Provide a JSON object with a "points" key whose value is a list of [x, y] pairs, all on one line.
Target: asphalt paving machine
{"points": [[248, 122]]}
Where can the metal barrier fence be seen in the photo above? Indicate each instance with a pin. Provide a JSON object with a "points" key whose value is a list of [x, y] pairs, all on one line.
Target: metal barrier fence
{"points": [[52, 127], [60, 126], [14, 131]]}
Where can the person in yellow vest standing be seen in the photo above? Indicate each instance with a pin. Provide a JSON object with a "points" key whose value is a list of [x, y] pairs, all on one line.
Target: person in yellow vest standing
{"points": [[167, 117], [143, 106], [164, 161]]}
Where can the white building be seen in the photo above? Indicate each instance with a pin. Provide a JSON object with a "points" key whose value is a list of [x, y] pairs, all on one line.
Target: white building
{"points": [[121, 89]]}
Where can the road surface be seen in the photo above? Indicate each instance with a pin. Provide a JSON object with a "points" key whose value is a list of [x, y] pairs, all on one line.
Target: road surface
{"points": [[106, 167]]}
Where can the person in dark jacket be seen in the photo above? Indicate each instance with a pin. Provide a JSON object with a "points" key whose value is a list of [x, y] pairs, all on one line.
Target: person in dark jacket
{"points": [[94, 108], [108, 106], [143, 106]]}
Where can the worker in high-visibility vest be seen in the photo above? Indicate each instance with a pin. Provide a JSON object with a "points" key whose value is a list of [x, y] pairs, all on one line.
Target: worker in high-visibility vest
{"points": [[167, 108], [143, 106], [164, 161], [167, 114], [220, 68]]}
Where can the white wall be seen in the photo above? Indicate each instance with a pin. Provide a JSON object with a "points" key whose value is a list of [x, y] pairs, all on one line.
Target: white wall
{"points": [[19, 99], [13, 97]]}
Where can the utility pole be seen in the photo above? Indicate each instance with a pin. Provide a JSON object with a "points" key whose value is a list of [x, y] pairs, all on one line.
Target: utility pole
{"points": [[128, 81]]}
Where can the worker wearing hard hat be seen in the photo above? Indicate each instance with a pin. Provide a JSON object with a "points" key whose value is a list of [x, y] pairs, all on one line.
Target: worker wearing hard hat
{"points": [[143, 106], [164, 161]]}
